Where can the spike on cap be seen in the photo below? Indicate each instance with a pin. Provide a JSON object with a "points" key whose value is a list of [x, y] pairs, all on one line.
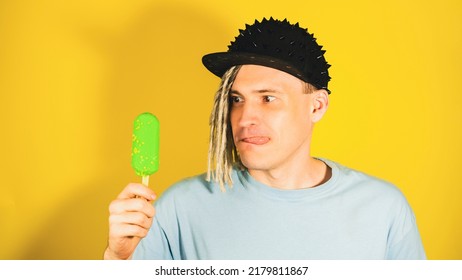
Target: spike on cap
{"points": [[277, 44]]}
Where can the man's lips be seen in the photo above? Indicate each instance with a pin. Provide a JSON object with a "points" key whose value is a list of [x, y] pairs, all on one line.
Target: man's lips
{"points": [[256, 140]]}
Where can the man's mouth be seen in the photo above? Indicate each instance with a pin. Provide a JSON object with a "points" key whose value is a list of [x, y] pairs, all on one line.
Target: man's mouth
{"points": [[256, 140]]}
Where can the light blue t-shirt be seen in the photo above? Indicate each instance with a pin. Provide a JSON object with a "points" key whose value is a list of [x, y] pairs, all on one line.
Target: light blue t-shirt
{"points": [[351, 216]]}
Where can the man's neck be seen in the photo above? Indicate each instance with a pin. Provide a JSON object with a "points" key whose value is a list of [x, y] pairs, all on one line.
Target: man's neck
{"points": [[311, 174]]}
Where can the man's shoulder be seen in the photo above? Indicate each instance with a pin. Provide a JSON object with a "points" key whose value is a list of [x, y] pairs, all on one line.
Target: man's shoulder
{"points": [[359, 181]]}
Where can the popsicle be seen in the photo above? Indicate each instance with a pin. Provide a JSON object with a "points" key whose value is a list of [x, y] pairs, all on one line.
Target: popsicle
{"points": [[145, 146]]}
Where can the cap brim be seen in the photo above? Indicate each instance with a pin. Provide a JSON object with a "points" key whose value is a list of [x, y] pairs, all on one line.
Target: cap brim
{"points": [[219, 63]]}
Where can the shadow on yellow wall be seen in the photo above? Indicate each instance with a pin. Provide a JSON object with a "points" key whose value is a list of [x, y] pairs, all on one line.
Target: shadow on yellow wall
{"points": [[153, 65]]}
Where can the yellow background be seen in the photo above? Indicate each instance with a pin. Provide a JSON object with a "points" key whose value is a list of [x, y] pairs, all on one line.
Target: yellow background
{"points": [[74, 74]]}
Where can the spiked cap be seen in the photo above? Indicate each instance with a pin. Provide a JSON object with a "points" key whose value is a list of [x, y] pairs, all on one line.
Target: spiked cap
{"points": [[276, 44]]}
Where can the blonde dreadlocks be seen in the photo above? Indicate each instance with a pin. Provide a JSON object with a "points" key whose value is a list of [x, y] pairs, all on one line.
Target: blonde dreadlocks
{"points": [[222, 151]]}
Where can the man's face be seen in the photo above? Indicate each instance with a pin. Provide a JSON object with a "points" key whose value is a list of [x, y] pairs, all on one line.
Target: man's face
{"points": [[271, 118]]}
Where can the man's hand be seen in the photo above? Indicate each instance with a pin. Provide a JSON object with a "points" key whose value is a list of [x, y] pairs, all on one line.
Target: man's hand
{"points": [[130, 217]]}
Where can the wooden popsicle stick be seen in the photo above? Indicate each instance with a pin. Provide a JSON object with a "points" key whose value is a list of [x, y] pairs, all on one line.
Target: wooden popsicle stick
{"points": [[145, 180]]}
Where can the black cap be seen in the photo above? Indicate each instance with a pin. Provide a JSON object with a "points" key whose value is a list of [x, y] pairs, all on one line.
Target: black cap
{"points": [[276, 44]]}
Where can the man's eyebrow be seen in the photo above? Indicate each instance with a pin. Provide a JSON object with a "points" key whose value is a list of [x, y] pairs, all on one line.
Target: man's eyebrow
{"points": [[266, 90]]}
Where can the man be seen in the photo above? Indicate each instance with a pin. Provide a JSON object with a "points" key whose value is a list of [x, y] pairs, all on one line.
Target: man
{"points": [[264, 196]]}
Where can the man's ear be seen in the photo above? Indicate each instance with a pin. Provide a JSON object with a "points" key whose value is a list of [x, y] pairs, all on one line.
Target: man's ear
{"points": [[320, 102]]}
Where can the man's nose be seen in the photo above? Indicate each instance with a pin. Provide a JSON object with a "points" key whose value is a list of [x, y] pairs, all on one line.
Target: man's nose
{"points": [[249, 115]]}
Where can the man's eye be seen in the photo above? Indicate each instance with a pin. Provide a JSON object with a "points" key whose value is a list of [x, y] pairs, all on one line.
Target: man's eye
{"points": [[268, 98], [235, 99]]}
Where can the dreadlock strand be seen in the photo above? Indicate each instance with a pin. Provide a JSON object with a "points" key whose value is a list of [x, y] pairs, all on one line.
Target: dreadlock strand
{"points": [[220, 156]]}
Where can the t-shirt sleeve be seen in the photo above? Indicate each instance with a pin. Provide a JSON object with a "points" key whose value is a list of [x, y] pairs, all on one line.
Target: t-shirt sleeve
{"points": [[408, 248], [404, 242]]}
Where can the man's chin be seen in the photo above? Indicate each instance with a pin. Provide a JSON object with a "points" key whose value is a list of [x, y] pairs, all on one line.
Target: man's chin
{"points": [[255, 164]]}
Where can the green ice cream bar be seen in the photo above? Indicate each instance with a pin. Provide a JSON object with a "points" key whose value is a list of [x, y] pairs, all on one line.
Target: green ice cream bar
{"points": [[145, 145]]}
